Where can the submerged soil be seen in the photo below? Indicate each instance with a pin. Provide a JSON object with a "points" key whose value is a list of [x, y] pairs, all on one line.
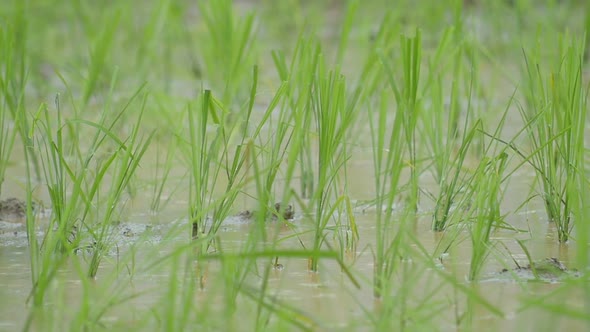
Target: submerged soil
{"points": [[546, 270], [431, 280], [12, 209], [323, 296]]}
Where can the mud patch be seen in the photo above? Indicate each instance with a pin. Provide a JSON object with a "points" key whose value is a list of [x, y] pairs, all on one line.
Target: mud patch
{"points": [[549, 270]]}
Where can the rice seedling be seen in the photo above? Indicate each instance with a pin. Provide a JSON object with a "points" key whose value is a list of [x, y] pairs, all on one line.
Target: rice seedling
{"points": [[441, 128], [409, 104], [210, 154], [162, 179], [12, 98], [129, 154], [6, 140], [204, 153], [156, 41], [587, 34], [299, 75], [555, 115], [485, 209], [333, 115], [309, 86], [355, 114], [581, 213], [387, 149], [227, 49], [13, 82], [101, 47], [81, 217]]}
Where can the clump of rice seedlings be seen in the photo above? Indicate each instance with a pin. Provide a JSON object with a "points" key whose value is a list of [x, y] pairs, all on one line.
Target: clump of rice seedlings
{"points": [[384, 44], [264, 153], [453, 185], [99, 52], [581, 213], [177, 310], [11, 98], [587, 34], [81, 217], [161, 176], [346, 231], [300, 75], [158, 39], [333, 115], [555, 114], [127, 156], [388, 147], [485, 209], [57, 240], [7, 136], [409, 104], [205, 150], [478, 209], [390, 142], [310, 86], [227, 48], [13, 81], [441, 127], [220, 147]]}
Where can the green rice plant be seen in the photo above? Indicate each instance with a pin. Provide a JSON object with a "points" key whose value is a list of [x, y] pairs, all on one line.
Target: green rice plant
{"points": [[259, 295], [302, 94], [300, 75], [470, 291], [127, 157], [267, 159], [416, 299], [204, 151], [333, 115], [227, 48], [392, 136], [11, 97], [56, 242], [478, 208], [13, 81], [265, 153], [101, 47], [384, 44], [409, 104], [587, 34], [178, 303], [411, 301], [555, 115], [161, 179], [7, 136], [581, 213], [442, 132], [156, 42], [210, 152], [80, 218], [485, 209], [387, 145], [347, 25], [452, 184]]}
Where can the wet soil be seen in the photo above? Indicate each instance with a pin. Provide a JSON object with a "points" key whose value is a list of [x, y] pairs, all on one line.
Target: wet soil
{"points": [[546, 270], [12, 209], [287, 213]]}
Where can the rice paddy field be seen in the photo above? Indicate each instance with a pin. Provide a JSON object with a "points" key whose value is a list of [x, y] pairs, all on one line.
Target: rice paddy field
{"points": [[294, 165]]}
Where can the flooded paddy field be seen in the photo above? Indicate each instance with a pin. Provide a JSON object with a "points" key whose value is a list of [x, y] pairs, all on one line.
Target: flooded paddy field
{"points": [[294, 165]]}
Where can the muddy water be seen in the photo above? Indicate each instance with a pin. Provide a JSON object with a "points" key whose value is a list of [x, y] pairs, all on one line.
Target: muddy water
{"points": [[328, 297]]}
